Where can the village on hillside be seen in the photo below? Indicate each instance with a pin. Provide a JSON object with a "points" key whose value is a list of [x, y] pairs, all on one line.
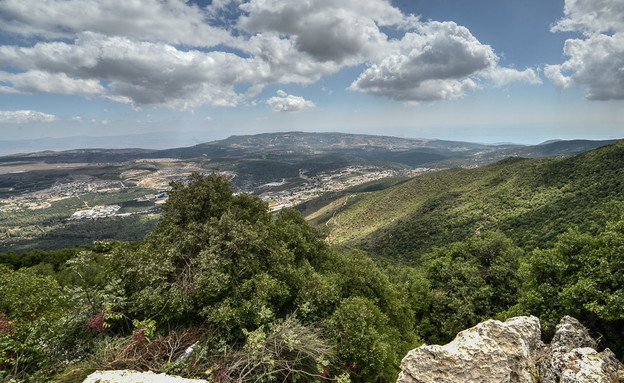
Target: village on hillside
{"points": [[278, 194]]}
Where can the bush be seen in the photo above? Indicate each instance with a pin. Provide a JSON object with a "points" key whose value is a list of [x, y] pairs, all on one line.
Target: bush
{"points": [[469, 282], [581, 276], [367, 342]]}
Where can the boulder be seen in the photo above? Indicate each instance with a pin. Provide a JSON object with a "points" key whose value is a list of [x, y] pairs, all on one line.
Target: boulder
{"points": [[512, 352], [572, 357], [492, 351], [127, 376]]}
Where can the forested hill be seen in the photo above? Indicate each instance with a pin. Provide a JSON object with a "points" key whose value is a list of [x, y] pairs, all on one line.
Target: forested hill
{"points": [[532, 201]]}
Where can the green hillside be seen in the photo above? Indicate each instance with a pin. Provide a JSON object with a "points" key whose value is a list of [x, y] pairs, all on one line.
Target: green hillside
{"points": [[530, 200], [265, 298]]}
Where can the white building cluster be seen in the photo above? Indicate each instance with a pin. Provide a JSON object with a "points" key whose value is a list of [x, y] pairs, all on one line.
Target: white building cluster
{"points": [[95, 212]]}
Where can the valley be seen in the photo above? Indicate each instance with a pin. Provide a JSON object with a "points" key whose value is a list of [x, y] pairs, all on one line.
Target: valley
{"points": [[51, 200]]}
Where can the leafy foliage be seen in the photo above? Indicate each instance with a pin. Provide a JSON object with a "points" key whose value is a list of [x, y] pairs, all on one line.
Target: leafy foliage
{"points": [[367, 342], [581, 276], [219, 260], [469, 282], [27, 301]]}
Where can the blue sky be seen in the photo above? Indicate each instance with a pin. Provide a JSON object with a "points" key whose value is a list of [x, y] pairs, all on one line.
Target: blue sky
{"points": [[483, 71]]}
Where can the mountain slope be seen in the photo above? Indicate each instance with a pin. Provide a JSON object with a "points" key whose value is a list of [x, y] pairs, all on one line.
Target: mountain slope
{"points": [[530, 200], [548, 149], [304, 142]]}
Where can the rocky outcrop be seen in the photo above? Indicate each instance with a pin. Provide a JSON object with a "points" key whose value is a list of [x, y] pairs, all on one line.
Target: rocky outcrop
{"points": [[512, 352], [572, 357], [491, 351], [127, 376]]}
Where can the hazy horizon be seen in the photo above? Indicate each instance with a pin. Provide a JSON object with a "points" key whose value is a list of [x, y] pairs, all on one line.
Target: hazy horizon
{"points": [[169, 140]]}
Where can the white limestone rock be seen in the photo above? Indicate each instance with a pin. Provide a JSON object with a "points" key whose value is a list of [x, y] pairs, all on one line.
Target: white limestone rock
{"points": [[127, 376], [571, 357], [491, 351]]}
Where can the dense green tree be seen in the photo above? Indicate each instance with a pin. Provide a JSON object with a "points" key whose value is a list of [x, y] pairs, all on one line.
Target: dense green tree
{"points": [[221, 260], [28, 303], [213, 257], [469, 282], [26, 296], [267, 298], [367, 341], [582, 276]]}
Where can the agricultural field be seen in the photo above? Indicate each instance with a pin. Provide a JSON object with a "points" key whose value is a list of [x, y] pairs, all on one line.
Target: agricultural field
{"points": [[28, 224]]}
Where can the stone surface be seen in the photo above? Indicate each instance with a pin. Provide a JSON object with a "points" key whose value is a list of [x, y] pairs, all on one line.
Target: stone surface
{"points": [[491, 351], [572, 357], [127, 376], [512, 352], [571, 334]]}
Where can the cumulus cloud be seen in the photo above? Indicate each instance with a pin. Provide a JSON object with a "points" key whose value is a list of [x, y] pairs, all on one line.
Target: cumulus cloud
{"points": [[172, 21], [24, 116], [284, 102], [591, 16], [433, 64], [503, 76], [278, 60], [554, 74], [144, 72], [180, 55], [339, 31], [36, 81], [597, 60]]}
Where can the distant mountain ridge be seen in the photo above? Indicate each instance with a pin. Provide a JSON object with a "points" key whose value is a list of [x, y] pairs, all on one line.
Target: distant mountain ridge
{"points": [[331, 140], [547, 149], [270, 157], [555, 148], [315, 143], [407, 151], [152, 141]]}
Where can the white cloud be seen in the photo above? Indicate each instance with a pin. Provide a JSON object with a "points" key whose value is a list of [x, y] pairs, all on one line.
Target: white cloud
{"points": [[144, 72], [597, 60], [172, 21], [503, 76], [433, 64], [7, 89], [36, 81], [284, 102], [553, 73], [327, 30], [24, 116], [278, 59], [591, 16], [153, 52]]}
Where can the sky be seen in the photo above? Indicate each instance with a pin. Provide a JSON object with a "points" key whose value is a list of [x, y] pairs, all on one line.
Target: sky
{"points": [[175, 72]]}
